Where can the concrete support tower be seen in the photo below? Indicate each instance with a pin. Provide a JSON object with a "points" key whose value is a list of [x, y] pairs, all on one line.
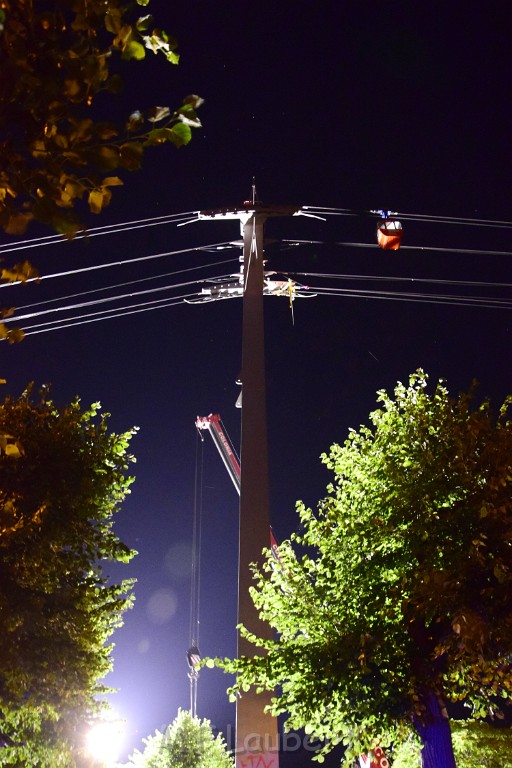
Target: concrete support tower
{"points": [[256, 732]]}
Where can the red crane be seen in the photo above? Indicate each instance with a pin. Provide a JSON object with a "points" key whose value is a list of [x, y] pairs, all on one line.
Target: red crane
{"points": [[223, 445]]}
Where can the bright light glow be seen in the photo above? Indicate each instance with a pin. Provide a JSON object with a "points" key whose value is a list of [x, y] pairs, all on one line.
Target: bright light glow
{"points": [[105, 739]]}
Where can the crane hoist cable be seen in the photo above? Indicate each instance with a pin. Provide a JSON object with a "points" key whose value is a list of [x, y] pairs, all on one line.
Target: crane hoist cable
{"points": [[193, 654]]}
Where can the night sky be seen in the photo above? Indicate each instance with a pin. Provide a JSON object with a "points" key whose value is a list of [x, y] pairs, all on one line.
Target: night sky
{"points": [[353, 106]]}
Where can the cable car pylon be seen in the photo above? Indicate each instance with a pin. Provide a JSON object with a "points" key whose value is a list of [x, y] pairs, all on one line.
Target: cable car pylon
{"points": [[256, 736]]}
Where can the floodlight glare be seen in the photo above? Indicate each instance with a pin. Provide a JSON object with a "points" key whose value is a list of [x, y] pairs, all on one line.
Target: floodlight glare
{"points": [[104, 741]]}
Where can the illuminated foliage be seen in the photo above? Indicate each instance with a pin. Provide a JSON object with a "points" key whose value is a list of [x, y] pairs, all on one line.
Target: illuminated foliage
{"points": [[56, 59], [397, 596], [475, 745], [19, 273], [62, 478], [187, 743]]}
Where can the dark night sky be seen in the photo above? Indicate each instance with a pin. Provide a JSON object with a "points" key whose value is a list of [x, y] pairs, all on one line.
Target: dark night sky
{"points": [[352, 105]]}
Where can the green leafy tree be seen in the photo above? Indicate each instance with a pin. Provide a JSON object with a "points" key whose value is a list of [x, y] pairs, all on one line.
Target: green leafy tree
{"points": [[57, 58], [62, 478], [475, 745], [187, 743], [397, 596], [60, 63]]}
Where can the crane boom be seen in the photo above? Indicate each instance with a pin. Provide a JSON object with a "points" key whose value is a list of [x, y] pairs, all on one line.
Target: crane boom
{"points": [[212, 424]]}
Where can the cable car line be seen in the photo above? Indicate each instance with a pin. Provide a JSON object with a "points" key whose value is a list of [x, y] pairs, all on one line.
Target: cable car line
{"points": [[479, 302], [329, 276], [197, 281], [94, 302], [323, 290], [127, 226], [455, 220], [385, 278], [110, 264], [389, 233], [464, 221], [429, 298], [107, 229], [126, 283], [469, 251], [332, 211], [93, 317]]}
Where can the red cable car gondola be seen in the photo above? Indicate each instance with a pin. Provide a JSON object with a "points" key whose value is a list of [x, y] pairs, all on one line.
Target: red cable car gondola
{"points": [[389, 234]]}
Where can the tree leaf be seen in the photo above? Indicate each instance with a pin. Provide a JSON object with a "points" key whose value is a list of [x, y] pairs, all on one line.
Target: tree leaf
{"points": [[155, 114], [112, 181], [159, 136], [133, 50], [98, 199], [181, 134]]}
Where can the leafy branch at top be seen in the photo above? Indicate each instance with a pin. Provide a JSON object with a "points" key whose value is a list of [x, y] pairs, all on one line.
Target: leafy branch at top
{"points": [[56, 58]]}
